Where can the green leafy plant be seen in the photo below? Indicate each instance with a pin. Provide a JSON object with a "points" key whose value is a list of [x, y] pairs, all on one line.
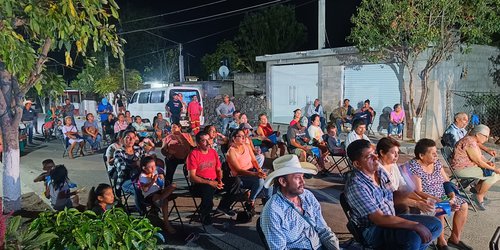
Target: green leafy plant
{"points": [[85, 230], [16, 238]]}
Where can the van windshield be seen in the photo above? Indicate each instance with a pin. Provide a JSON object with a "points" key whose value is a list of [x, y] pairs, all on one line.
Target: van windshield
{"points": [[187, 94]]}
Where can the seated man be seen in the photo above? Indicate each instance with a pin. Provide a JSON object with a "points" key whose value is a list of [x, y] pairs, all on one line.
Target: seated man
{"points": [[366, 113], [357, 133], [342, 115], [140, 127], [235, 123], [369, 194], [292, 218], [206, 175], [297, 139], [456, 131]]}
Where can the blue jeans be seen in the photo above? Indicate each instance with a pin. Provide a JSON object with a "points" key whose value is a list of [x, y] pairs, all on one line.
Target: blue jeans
{"points": [[255, 185], [29, 128], [225, 122], [94, 143], [392, 126], [392, 238], [129, 188]]}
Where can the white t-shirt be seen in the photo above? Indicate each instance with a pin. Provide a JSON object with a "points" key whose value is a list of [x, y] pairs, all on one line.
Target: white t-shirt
{"points": [[398, 183], [315, 133], [352, 136], [59, 204], [144, 179]]}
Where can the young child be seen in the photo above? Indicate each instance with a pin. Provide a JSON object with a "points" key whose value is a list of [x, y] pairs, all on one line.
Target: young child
{"points": [[47, 166], [101, 198], [154, 190], [332, 141], [58, 189]]}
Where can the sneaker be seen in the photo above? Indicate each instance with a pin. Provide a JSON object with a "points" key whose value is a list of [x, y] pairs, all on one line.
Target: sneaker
{"points": [[226, 211]]}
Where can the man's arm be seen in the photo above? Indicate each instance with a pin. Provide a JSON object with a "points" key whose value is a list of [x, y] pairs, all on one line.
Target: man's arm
{"points": [[294, 143], [390, 221]]}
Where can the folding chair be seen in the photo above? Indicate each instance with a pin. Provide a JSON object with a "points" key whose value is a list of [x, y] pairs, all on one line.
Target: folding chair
{"points": [[336, 163], [188, 182], [462, 183], [370, 125], [261, 234], [151, 209], [65, 146], [495, 240], [353, 228]]}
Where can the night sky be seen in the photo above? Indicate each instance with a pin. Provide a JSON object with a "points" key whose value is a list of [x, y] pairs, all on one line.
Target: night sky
{"points": [[337, 23]]}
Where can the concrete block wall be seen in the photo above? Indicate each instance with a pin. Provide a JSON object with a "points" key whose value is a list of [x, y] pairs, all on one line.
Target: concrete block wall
{"points": [[249, 82]]}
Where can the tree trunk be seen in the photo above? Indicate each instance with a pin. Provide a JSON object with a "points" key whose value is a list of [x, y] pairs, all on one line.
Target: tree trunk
{"points": [[11, 179], [10, 115]]}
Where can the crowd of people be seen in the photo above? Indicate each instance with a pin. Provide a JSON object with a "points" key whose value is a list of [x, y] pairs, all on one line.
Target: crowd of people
{"points": [[394, 206]]}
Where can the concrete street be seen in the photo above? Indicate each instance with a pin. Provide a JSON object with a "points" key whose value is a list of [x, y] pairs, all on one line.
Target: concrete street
{"points": [[89, 171]]}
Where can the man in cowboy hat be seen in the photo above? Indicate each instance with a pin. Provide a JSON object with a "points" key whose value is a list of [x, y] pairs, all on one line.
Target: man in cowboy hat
{"points": [[292, 217], [28, 118]]}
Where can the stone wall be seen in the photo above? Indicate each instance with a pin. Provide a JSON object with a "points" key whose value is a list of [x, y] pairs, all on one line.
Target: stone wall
{"points": [[250, 105]]}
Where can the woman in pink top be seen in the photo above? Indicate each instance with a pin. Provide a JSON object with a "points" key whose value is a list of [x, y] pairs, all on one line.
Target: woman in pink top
{"points": [[242, 163], [397, 120], [468, 162]]}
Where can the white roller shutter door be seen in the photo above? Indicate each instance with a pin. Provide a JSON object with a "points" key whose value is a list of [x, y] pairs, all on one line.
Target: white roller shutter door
{"points": [[377, 82]]}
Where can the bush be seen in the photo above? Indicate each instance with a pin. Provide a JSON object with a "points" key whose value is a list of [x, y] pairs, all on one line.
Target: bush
{"points": [[85, 230]]}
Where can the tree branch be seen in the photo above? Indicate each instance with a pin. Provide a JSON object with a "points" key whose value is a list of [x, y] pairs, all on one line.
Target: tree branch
{"points": [[36, 73]]}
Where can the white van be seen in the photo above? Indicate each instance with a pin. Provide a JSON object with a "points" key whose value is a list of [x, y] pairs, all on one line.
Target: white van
{"points": [[148, 102]]}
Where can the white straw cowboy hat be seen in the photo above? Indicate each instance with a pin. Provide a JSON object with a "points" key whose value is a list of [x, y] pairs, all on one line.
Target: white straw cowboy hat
{"points": [[289, 164], [28, 101]]}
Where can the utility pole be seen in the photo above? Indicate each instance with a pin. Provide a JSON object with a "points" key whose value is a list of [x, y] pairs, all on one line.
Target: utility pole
{"points": [[321, 24], [181, 64]]}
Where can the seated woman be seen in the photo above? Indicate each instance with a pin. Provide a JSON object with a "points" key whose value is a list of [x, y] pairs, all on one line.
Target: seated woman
{"points": [[248, 130], [242, 163], [72, 137], [264, 131], [429, 177], [315, 133], [396, 121], [176, 147], [101, 198], [468, 162], [120, 124], [297, 114], [91, 132], [155, 190], [405, 196]]}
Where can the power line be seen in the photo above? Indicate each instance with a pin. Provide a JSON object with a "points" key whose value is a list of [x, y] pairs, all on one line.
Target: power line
{"points": [[204, 19], [141, 55], [173, 12], [213, 34]]}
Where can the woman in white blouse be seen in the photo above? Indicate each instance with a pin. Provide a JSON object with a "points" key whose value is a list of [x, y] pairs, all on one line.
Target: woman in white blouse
{"points": [[72, 137]]}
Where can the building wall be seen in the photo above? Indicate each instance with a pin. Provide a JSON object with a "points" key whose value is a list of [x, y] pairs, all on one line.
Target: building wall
{"points": [[245, 83], [465, 72]]}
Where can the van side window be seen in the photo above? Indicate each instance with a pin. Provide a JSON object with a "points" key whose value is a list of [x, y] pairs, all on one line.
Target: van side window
{"points": [[134, 98], [144, 97], [157, 97]]}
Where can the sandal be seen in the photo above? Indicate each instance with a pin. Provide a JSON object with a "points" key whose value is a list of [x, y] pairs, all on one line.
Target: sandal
{"points": [[460, 245]]}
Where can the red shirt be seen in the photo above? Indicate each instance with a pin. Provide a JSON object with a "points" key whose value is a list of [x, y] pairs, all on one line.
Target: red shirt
{"points": [[194, 108], [267, 129], [206, 165]]}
